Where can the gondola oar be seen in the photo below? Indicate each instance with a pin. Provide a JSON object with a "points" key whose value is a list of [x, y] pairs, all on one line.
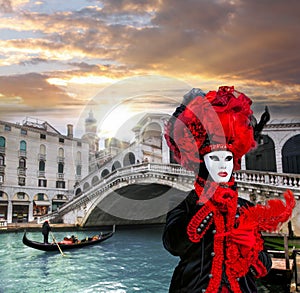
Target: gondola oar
{"points": [[57, 244]]}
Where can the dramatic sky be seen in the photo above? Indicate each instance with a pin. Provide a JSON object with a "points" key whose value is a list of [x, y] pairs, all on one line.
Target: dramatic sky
{"points": [[61, 59]]}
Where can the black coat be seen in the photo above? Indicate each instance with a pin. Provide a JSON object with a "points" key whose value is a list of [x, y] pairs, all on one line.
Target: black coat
{"points": [[46, 228], [192, 272]]}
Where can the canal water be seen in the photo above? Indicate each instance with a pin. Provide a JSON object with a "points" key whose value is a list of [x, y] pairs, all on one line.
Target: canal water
{"points": [[133, 260]]}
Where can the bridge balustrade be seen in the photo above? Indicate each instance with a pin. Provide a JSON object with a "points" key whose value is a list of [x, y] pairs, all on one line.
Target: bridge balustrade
{"points": [[257, 180], [270, 178]]}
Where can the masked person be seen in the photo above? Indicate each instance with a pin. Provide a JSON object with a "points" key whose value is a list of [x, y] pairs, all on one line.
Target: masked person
{"points": [[215, 233]]}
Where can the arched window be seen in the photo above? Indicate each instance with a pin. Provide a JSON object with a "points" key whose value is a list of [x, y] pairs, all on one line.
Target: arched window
{"points": [[263, 157], [116, 165], [104, 173], [60, 168], [95, 180], [41, 165], [61, 152], [42, 149], [86, 186], [291, 155], [61, 155], [129, 159], [78, 170], [2, 141], [78, 162], [22, 145]]}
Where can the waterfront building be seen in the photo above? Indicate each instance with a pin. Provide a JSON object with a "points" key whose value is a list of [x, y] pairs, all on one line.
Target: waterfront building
{"points": [[38, 168]]}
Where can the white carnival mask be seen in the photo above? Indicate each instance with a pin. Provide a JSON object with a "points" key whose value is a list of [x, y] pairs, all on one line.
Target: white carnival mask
{"points": [[219, 165]]}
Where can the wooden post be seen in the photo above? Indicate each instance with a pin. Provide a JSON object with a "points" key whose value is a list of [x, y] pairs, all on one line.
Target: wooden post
{"points": [[286, 251]]}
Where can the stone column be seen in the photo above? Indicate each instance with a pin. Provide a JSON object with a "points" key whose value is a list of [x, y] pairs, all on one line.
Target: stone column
{"points": [[165, 151], [9, 212], [243, 163], [30, 212], [278, 158]]}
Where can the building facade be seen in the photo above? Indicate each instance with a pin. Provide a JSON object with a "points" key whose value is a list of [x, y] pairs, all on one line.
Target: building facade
{"points": [[38, 167]]}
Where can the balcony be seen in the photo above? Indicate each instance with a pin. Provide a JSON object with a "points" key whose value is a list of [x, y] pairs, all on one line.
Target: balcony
{"points": [[2, 169], [41, 157], [60, 176], [22, 154], [22, 172], [41, 174], [2, 150], [60, 159]]}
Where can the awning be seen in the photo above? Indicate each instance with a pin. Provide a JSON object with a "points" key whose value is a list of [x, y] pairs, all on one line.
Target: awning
{"points": [[42, 203], [20, 203]]}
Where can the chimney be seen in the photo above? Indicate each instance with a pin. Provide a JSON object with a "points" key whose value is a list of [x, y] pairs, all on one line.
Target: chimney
{"points": [[70, 130]]}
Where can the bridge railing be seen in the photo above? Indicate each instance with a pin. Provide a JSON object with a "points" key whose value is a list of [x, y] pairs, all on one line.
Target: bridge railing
{"points": [[143, 167], [269, 178], [172, 169], [162, 168]]}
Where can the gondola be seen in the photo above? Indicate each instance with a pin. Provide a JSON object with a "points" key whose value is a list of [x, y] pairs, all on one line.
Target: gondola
{"points": [[67, 244]]}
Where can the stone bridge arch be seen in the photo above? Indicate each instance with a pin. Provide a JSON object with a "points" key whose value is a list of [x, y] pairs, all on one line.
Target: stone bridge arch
{"points": [[291, 155], [116, 165], [129, 159], [145, 189], [263, 157], [152, 202]]}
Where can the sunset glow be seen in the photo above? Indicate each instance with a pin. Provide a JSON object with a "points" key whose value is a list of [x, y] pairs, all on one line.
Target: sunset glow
{"points": [[64, 53], [114, 120]]}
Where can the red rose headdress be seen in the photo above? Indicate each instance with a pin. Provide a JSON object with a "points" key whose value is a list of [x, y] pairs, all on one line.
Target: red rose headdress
{"points": [[219, 120]]}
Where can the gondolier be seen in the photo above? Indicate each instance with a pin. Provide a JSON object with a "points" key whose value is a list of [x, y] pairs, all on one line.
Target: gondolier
{"points": [[45, 231]]}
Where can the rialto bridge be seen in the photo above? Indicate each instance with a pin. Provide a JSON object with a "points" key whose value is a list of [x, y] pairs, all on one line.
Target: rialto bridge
{"points": [[144, 193], [141, 183]]}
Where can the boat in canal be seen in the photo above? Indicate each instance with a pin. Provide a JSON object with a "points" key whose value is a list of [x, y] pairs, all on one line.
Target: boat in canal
{"points": [[68, 242]]}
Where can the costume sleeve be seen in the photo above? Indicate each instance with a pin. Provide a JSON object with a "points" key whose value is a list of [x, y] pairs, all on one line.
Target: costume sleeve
{"points": [[175, 238]]}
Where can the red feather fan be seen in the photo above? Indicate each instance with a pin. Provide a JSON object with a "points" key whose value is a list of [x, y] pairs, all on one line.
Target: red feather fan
{"points": [[268, 217]]}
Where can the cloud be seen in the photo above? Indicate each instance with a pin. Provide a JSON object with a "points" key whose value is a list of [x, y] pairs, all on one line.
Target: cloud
{"points": [[251, 44], [34, 91], [224, 39], [5, 6], [249, 39]]}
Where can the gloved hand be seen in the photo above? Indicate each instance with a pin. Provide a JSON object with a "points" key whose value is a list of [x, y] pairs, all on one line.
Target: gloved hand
{"points": [[248, 241], [244, 237]]}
